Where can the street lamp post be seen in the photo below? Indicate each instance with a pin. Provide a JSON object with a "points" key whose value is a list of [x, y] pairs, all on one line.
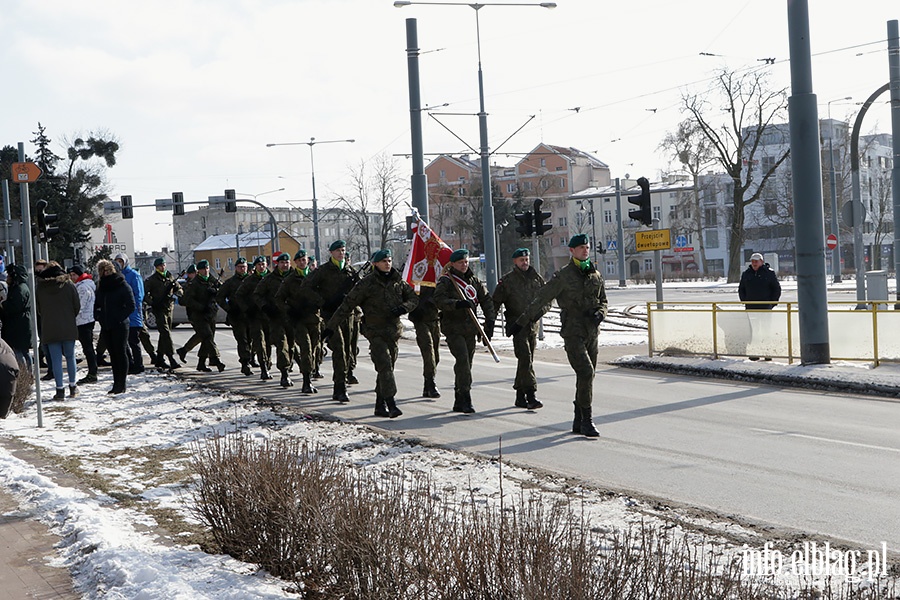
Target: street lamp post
{"points": [[272, 219], [490, 250], [835, 226], [315, 204]]}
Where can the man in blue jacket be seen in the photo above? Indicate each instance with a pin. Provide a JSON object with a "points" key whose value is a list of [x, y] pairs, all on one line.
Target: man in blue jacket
{"points": [[136, 320]]}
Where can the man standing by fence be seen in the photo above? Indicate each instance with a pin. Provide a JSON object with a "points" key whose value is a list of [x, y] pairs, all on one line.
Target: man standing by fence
{"points": [[759, 284]]}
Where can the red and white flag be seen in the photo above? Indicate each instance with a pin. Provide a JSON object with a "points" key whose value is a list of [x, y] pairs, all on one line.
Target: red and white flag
{"points": [[427, 256]]}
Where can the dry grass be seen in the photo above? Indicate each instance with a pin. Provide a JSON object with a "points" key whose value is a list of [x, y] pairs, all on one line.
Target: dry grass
{"points": [[338, 532], [24, 389]]}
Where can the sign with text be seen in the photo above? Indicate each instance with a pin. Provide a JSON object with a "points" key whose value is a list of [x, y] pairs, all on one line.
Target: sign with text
{"points": [[655, 239], [24, 172]]}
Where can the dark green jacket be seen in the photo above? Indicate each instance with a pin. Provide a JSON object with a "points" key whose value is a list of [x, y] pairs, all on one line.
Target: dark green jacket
{"points": [[159, 289], [456, 321], [225, 297], [16, 309], [426, 311], [378, 294], [200, 298], [246, 299], [293, 302], [326, 287], [516, 290], [265, 291], [578, 293]]}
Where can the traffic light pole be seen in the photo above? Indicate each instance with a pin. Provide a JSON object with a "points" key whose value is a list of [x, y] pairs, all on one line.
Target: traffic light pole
{"points": [[28, 257], [657, 269], [620, 234], [536, 241]]}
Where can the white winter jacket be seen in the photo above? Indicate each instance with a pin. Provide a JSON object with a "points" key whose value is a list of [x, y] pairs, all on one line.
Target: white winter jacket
{"points": [[86, 292]]}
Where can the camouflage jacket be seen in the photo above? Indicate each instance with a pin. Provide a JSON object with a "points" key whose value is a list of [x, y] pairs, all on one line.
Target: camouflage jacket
{"points": [[245, 297], [579, 295], [292, 302], [265, 291], [225, 298], [378, 294], [516, 290], [455, 321], [326, 287], [200, 297], [159, 290]]}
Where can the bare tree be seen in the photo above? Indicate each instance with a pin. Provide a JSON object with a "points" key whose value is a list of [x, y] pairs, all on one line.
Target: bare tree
{"points": [[695, 152], [735, 132], [378, 191]]}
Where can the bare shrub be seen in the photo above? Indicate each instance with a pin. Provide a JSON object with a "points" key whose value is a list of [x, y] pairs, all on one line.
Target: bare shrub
{"points": [[24, 389]]}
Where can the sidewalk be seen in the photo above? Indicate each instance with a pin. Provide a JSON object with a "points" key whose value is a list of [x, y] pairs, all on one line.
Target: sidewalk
{"points": [[24, 545]]}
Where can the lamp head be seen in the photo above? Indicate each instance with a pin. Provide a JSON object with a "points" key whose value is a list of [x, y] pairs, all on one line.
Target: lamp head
{"points": [[401, 3]]}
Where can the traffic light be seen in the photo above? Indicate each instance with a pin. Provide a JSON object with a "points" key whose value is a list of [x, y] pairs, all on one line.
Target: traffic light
{"points": [[409, 228], [127, 208], [44, 221], [230, 201], [524, 226], [542, 222], [642, 201], [178, 204]]}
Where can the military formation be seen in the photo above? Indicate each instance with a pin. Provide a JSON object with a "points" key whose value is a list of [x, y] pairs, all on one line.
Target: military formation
{"points": [[298, 313]]}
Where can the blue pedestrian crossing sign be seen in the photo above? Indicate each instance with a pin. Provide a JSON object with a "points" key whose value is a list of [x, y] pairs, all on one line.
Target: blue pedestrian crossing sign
{"points": [[611, 245], [680, 241]]}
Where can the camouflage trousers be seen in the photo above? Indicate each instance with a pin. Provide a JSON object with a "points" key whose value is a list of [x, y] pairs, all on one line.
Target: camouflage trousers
{"points": [[582, 354], [428, 338]]}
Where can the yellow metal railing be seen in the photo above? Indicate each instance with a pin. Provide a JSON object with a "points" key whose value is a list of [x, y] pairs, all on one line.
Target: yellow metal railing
{"points": [[857, 331]]}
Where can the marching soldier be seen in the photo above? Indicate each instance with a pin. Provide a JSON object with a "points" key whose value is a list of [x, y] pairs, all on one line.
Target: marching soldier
{"points": [[246, 301], [200, 298], [457, 295], [516, 290], [303, 318], [383, 296], [239, 321], [325, 288], [160, 290], [190, 274], [426, 319], [278, 333], [580, 292]]}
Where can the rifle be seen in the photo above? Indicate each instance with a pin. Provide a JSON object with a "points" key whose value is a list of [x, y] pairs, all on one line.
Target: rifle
{"points": [[481, 333]]}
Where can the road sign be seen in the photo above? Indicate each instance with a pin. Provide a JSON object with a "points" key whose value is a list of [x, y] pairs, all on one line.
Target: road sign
{"points": [[685, 249], [680, 241], [655, 239], [611, 245], [853, 213], [24, 172], [831, 242], [163, 204]]}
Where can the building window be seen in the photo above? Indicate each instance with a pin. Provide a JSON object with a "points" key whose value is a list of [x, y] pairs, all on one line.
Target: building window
{"points": [[443, 174], [545, 184], [712, 238], [607, 216], [562, 183], [230, 263], [218, 264], [657, 212], [610, 267], [710, 217], [527, 186], [648, 264], [462, 191], [562, 222], [510, 188], [543, 162]]}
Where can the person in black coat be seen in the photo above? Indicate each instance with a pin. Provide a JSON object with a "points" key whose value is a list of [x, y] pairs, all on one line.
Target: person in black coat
{"points": [[113, 306], [15, 312], [759, 284]]}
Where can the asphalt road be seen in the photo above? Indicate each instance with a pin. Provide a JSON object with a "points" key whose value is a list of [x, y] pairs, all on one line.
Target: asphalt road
{"points": [[820, 463]]}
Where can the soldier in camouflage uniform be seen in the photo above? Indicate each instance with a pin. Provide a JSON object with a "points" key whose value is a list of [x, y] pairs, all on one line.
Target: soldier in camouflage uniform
{"points": [[303, 318], [457, 294], [240, 322], [160, 290], [190, 274], [200, 298], [325, 289], [516, 290], [383, 296], [579, 291], [246, 301], [426, 319], [278, 329]]}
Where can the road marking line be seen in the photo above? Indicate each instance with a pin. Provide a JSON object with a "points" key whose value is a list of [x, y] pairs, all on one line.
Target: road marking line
{"points": [[825, 439]]}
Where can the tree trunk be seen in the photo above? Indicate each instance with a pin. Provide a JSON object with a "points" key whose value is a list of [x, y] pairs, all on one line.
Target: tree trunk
{"points": [[735, 261]]}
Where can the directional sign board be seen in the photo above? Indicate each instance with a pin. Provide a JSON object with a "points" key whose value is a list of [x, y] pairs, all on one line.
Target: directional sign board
{"points": [[655, 239], [24, 172], [163, 204]]}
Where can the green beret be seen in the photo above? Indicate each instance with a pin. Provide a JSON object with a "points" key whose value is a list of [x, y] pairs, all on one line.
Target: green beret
{"points": [[160, 261], [381, 255], [192, 269], [259, 260], [300, 254], [521, 252], [312, 258], [579, 239], [283, 257], [203, 264], [337, 244], [240, 261], [459, 255]]}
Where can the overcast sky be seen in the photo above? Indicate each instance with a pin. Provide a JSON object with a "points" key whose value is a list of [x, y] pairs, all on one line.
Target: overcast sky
{"points": [[195, 89]]}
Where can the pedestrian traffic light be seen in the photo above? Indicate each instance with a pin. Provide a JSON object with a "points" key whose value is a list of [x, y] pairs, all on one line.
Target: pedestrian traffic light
{"points": [[178, 204], [524, 226], [230, 201], [44, 221], [409, 228], [642, 201], [542, 218], [127, 208]]}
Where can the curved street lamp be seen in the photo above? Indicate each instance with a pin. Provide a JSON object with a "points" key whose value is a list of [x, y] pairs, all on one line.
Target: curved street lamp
{"points": [[315, 205], [490, 250], [835, 227]]}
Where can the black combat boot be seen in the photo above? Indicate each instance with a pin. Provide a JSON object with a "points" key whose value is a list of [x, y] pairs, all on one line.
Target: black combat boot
{"points": [[264, 372], [218, 364], [467, 403], [182, 354], [587, 425], [307, 385], [393, 411], [153, 357], [430, 390], [459, 401], [201, 366], [351, 378], [380, 408], [173, 364], [245, 369], [340, 393], [286, 379], [160, 363], [317, 374], [576, 424], [531, 402], [520, 399]]}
